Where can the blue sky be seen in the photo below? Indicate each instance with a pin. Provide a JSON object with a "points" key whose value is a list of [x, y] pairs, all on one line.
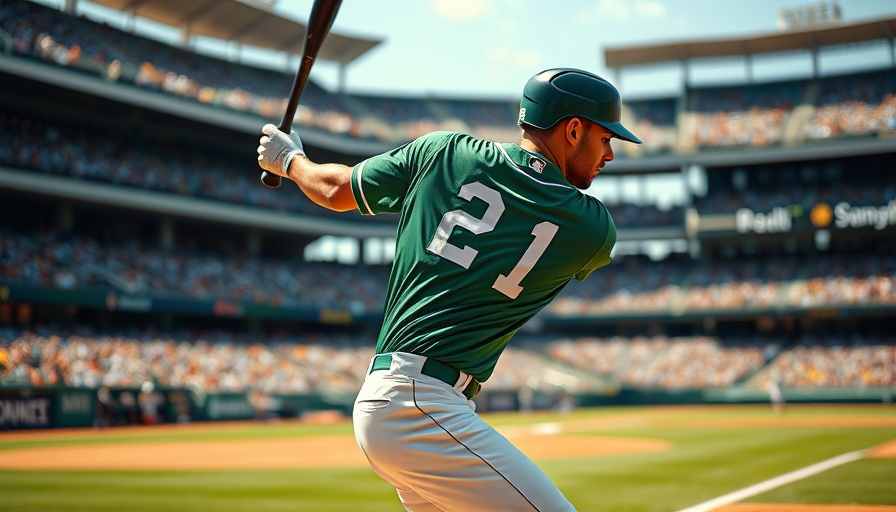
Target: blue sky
{"points": [[491, 47]]}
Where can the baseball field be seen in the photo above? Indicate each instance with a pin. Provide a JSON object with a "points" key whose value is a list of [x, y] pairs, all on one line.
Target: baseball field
{"points": [[728, 458]]}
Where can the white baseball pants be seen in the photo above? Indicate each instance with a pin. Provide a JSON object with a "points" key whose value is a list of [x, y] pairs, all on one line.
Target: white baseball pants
{"points": [[425, 438]]}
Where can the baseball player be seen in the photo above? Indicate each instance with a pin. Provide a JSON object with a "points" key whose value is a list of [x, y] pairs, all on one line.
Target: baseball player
{"points": [[488, 234]]}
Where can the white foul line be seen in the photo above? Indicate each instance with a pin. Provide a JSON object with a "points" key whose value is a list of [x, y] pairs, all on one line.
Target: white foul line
{"points": [[778, 481]]}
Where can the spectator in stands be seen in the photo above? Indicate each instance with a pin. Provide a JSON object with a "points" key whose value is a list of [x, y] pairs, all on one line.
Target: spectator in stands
{"points": [[775, 393], [752, 115], [105, 408], [129, 409], [150, 402], [853, 105], [330, 363]]}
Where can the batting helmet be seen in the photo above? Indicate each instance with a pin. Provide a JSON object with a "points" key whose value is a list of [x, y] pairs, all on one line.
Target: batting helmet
{"points": [[558, 93]]}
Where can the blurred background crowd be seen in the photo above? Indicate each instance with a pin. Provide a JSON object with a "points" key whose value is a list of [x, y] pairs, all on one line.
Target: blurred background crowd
{"points": [[48, 255], [219, 361], [752, 115], [632, 284]]}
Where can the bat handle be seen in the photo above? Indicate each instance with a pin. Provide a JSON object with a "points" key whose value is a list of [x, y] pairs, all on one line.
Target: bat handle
{"points": [[270, 180]]}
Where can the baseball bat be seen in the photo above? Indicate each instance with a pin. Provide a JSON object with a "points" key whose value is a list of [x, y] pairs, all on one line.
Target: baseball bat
{"points": [[323, 12]]}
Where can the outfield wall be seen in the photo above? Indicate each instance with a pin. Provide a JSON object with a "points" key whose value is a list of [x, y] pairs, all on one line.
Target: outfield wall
{"points": [[60, 407], [738, 395]]}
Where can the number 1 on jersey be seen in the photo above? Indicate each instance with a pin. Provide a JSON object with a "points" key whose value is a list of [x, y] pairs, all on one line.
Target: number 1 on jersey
{"points": [[508, 284]]}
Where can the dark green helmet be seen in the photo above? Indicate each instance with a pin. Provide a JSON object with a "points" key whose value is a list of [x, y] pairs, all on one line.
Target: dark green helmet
{"points": [[556, 94]]}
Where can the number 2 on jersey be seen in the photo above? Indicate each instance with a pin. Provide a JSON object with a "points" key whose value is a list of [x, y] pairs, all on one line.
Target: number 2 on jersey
{"points": [[508, 284]]}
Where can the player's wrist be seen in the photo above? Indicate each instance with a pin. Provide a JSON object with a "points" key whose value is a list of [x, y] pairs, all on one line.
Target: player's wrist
{"points": [[289, 158]]}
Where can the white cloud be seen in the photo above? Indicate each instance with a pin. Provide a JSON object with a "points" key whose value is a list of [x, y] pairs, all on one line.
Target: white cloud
{"points": [[502, 57], [496, 54], [528, 59], [508, 26], [462, 10], [603, 11], [620, 10], [650, 9]]}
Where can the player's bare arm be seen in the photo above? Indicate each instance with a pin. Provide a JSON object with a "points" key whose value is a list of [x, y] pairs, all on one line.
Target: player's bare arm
{"points": [[328, 185]]}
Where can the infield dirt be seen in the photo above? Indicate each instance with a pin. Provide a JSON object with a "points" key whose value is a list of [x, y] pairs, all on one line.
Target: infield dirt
{"points": [[539, 441]]}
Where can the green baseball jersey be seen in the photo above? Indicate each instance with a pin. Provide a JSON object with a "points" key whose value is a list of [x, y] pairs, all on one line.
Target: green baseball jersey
{"points": [[488, 234]]}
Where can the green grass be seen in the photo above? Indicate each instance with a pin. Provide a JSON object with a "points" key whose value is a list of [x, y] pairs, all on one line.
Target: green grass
{"points": [[705, 462], [232, 491], [864, 482]]}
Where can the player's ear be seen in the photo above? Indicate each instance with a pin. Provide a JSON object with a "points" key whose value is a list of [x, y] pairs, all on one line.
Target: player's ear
{"points": [[574, 130]]}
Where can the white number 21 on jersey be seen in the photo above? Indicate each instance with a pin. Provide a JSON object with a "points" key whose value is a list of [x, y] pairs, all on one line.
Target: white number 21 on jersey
{"points": [[508, 284]]}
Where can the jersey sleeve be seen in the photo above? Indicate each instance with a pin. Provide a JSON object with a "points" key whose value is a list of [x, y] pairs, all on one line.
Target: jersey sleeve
{"points": [[380, 183], [602, 257]]}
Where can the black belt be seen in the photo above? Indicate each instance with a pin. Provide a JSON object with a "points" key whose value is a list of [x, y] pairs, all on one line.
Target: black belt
{"points": [[432, 368]]}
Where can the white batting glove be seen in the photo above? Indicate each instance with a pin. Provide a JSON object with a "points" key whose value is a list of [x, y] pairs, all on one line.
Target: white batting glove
{"points": [[276, 149]]}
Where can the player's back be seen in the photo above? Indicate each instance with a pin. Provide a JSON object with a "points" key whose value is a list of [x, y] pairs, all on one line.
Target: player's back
{"points": [[489, 234]]}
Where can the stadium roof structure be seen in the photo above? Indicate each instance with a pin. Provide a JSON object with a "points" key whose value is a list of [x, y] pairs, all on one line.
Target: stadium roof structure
{"points": [[243, 22], [809, 39]]}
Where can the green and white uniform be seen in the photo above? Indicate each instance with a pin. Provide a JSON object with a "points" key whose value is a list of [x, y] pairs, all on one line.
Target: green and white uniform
{"points": [[488, 235]]}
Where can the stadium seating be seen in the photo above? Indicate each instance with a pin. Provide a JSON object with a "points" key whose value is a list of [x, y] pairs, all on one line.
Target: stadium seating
{"points": [[755, 115], [787, 285]]}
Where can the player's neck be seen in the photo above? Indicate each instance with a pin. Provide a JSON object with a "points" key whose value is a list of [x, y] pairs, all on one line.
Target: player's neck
{"points": [[533, 145]]}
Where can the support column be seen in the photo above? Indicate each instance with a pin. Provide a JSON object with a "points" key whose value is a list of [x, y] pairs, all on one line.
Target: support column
{"points": [[66, 219], [342, 76], [166, 234], [749, 63], [253, 242], [185, 36]]}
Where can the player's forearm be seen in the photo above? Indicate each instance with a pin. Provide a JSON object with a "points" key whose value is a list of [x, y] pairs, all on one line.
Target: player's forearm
{"points": [[328, 185]]}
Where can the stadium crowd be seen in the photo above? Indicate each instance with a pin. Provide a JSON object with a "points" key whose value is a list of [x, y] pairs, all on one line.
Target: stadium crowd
{"points": [[860, 181], [114, 55], [740, 283], [753, 115], [95, 155], [629, 284], [678, 285], [847, 279], [832, 361], [211, 361], [662, 361], [218, 361], [107, 157], [655, 123], [52, 259], [738, 115], [854, 105]]}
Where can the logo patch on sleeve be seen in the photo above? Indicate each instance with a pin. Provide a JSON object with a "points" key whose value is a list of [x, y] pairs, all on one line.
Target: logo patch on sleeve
{"points": [[537, 164]]}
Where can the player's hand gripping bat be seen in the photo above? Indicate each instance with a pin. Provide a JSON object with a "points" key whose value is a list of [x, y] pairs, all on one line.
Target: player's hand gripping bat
{"points": [[323, 12]]}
